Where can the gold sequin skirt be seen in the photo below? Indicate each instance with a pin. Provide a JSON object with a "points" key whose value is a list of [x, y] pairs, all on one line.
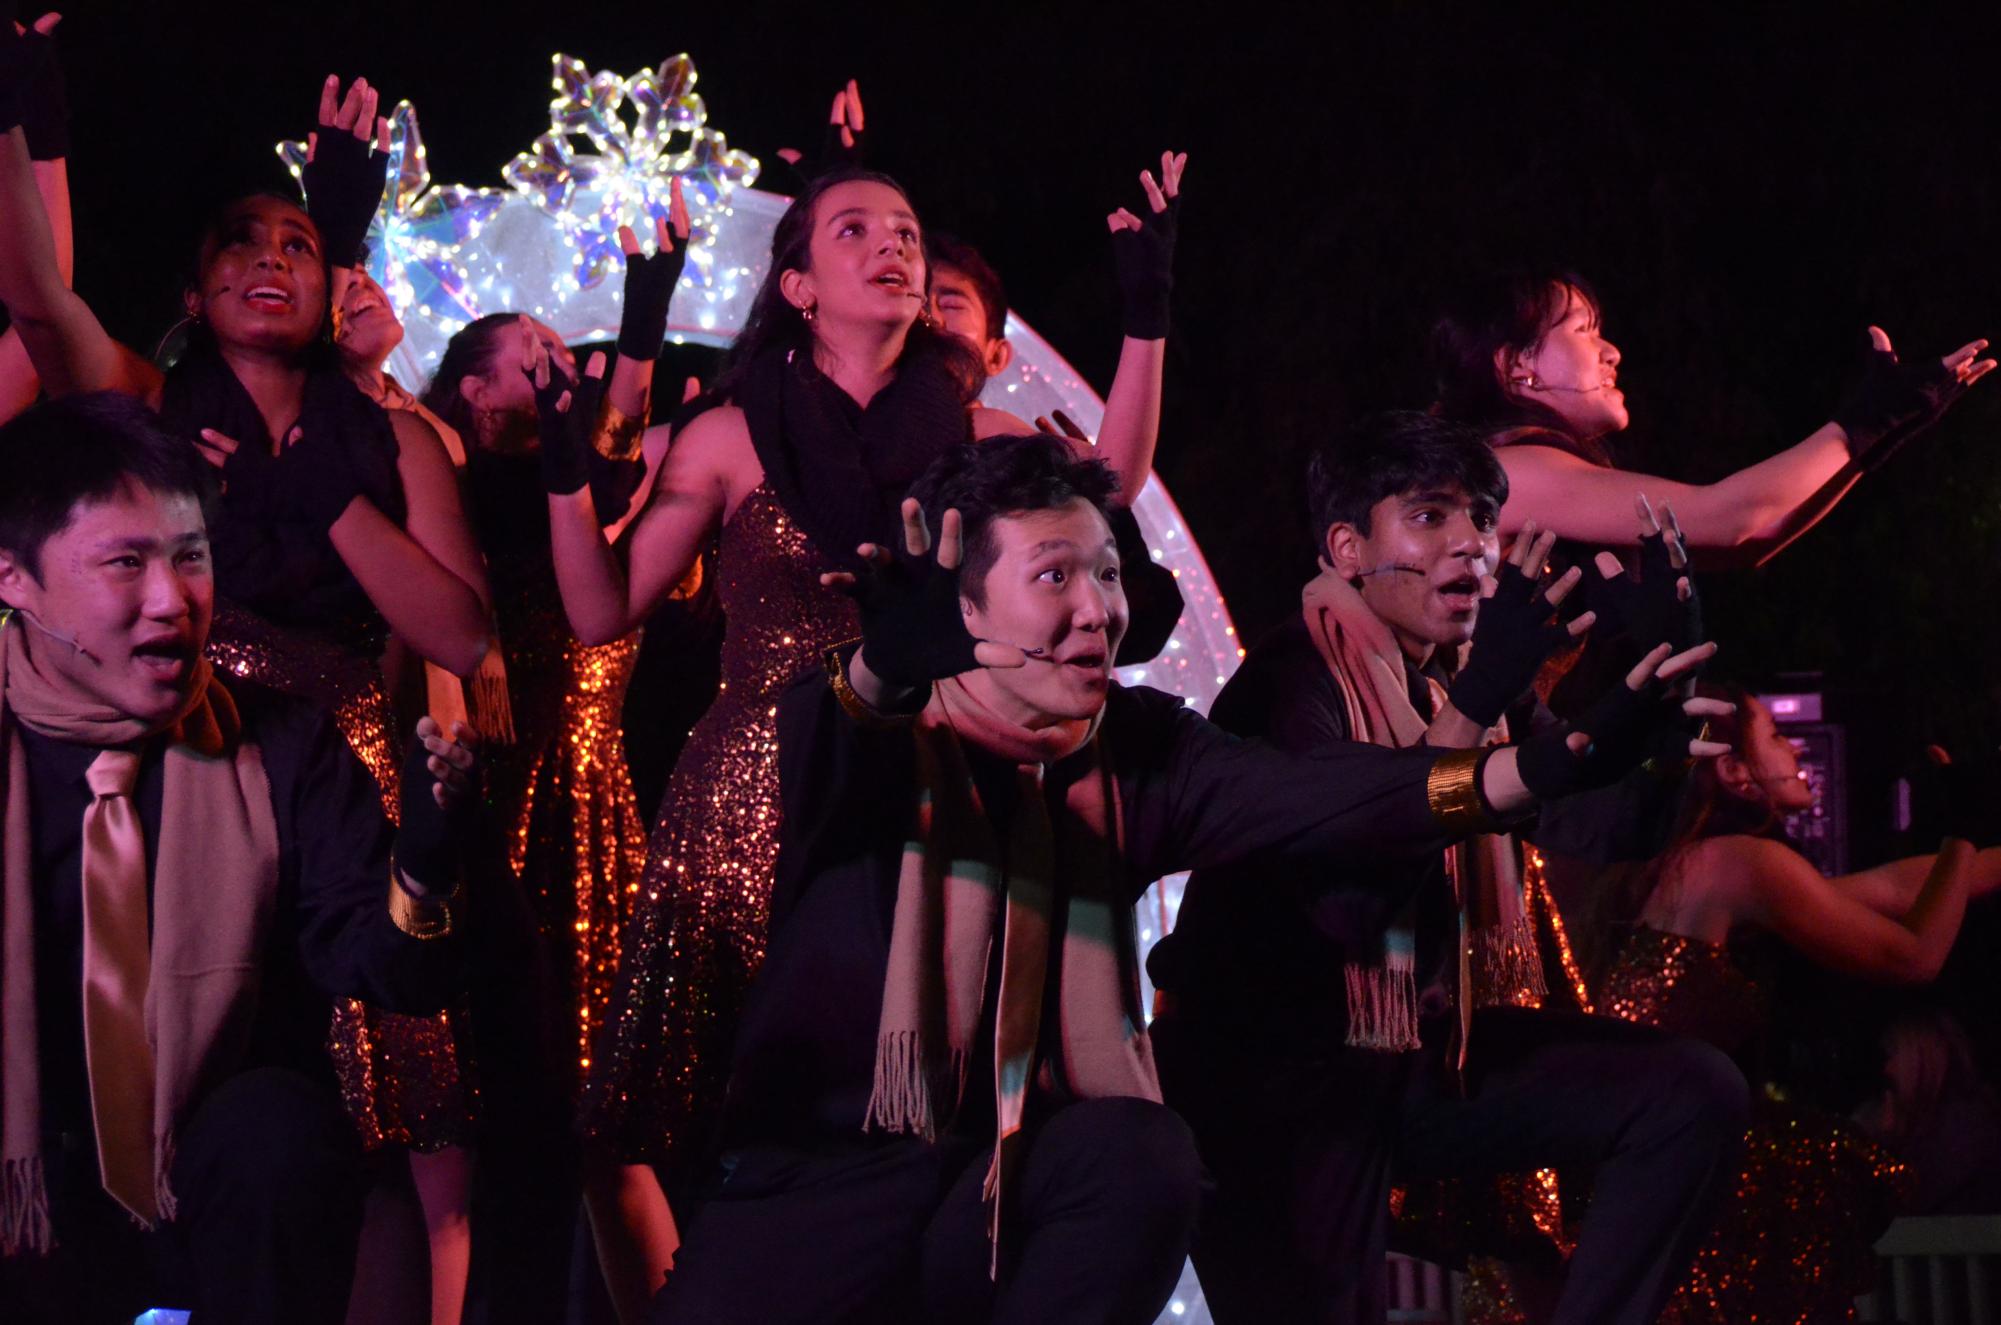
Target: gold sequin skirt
{"points": [[405, 1080]]}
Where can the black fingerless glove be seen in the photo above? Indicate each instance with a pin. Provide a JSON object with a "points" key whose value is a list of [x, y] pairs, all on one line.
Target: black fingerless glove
{"points": [[837, 155], [32, 92], [343, 184], [1893, 402], [913, 632], [565, 435], [1515, 634], [430, 839], [1143, 261], [1626, 728], [1649, 611], [1971, 800], [649, 288]]}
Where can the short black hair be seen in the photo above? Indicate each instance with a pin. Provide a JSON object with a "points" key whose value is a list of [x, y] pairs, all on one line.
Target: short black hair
{"points": [[954, 252], [84, 448], [1393, 453], [1002, 476]]}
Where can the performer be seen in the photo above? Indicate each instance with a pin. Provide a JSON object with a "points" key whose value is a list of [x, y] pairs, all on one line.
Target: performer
{"points": [[1524, 357], [834, 399], [943, 1100], [339, 525], [186, 1085], [1815, 1192], [1333, 1025]]}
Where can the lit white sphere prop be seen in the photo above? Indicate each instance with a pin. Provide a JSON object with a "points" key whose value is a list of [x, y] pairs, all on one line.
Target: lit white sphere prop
{"points": [[547, 245]]}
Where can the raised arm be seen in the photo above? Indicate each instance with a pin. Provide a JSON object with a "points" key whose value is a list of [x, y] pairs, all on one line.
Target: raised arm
{"points": [[1144, 254], [609, 592], [1892, 888], [19, 383], [1751, 515]]}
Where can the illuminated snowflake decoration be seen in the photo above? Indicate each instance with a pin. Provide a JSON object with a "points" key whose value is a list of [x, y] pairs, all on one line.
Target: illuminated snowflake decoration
{"points": [[646, 131]]}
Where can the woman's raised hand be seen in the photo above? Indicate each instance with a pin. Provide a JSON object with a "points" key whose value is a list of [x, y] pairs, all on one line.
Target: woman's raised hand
{"points": [[1143, 251], [650, 280], [343, 179]]}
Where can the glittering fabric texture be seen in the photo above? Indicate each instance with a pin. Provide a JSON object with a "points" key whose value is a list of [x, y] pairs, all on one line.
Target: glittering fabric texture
{"points": [[563, 795], [698, 928], [401, 1077], [1792, 1243]]}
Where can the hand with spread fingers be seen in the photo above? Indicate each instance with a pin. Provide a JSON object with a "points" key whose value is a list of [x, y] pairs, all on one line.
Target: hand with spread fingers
{"points": [[1892, 401], [845, 144], [650, 280], [913, 628], [565, 410], [1661, 605], [343, 178], [1638, 719], [1143, 251], [1516, 631]]}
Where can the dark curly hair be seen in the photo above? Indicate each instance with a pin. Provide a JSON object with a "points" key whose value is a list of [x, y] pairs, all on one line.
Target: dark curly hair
{"points": [[1002, 476], [1392, 453]]}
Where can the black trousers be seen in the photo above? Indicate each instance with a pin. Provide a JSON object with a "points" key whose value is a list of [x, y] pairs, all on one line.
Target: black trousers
{"points": [[268, 1175], [1304, 1157], [1098, 1228]]}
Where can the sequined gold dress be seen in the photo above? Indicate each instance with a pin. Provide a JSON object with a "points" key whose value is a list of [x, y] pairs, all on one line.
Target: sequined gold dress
{"points": [[1792, 1243], [698, 930]]}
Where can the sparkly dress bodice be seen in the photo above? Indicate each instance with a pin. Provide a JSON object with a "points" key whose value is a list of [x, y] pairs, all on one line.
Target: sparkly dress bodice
{"points": [[1685, 986], [697, 933]]}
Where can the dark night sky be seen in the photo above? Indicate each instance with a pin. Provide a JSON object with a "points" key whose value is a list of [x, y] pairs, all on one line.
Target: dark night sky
{"points": [[1746, 191]]}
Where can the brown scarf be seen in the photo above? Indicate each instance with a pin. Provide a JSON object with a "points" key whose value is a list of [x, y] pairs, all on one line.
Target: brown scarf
{"points": [[1497, 952], [1059, 874], [214, 894]]}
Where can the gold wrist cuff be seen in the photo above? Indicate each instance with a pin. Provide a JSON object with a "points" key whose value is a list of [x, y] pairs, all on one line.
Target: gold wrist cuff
{"points": [[858, 708], [617, 434], [1452, 789], [421, 918]]}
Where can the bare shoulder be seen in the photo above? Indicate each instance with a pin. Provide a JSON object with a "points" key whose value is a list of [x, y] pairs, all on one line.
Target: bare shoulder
{"points": [[415, 437]]}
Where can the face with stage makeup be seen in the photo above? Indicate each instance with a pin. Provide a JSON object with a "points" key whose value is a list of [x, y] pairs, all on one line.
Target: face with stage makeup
{"points": [[1418, 562], [260, 283], [1763, 766], [120, 599], [1046, 582], [1571, 368]]}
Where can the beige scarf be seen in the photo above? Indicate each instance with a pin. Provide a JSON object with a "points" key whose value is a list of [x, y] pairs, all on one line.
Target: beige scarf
{"points": [[214, 894], [1498, 962], [958, 892]]}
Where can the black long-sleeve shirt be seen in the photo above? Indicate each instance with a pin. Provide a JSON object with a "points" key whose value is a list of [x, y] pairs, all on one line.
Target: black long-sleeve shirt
{"points": [[1190, 795], [331, 935]]}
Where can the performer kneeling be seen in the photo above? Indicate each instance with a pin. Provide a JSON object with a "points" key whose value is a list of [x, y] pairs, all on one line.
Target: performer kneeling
{"points": [[189, 872], [943, 1104], [1323, 1029]]}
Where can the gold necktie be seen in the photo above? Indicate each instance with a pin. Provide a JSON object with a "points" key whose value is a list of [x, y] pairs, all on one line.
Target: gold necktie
{"points": [[117, 963]]}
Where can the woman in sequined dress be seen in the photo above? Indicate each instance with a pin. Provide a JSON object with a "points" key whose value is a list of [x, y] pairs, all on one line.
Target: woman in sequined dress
{"points": [[1794, 1246], [835, 398]]}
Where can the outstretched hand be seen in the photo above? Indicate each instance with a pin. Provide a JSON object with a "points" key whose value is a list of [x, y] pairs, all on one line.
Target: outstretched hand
{"points": [[913, 627], [1517, 630], [1893, 401], [845, 143], [342, 178], [1661, 606], [1143, 251], [650, 280], [1631, 722]]}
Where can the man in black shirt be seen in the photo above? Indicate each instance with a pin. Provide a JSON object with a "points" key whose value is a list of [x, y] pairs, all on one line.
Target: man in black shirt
{"points": [[943, 1104], [1323, 1029], [191, 871]]}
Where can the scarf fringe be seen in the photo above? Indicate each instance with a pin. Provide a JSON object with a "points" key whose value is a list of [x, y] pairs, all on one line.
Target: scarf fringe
{"points": [[24, 1209], [1507, 966], [903, 1097], [1382, 1005]]}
